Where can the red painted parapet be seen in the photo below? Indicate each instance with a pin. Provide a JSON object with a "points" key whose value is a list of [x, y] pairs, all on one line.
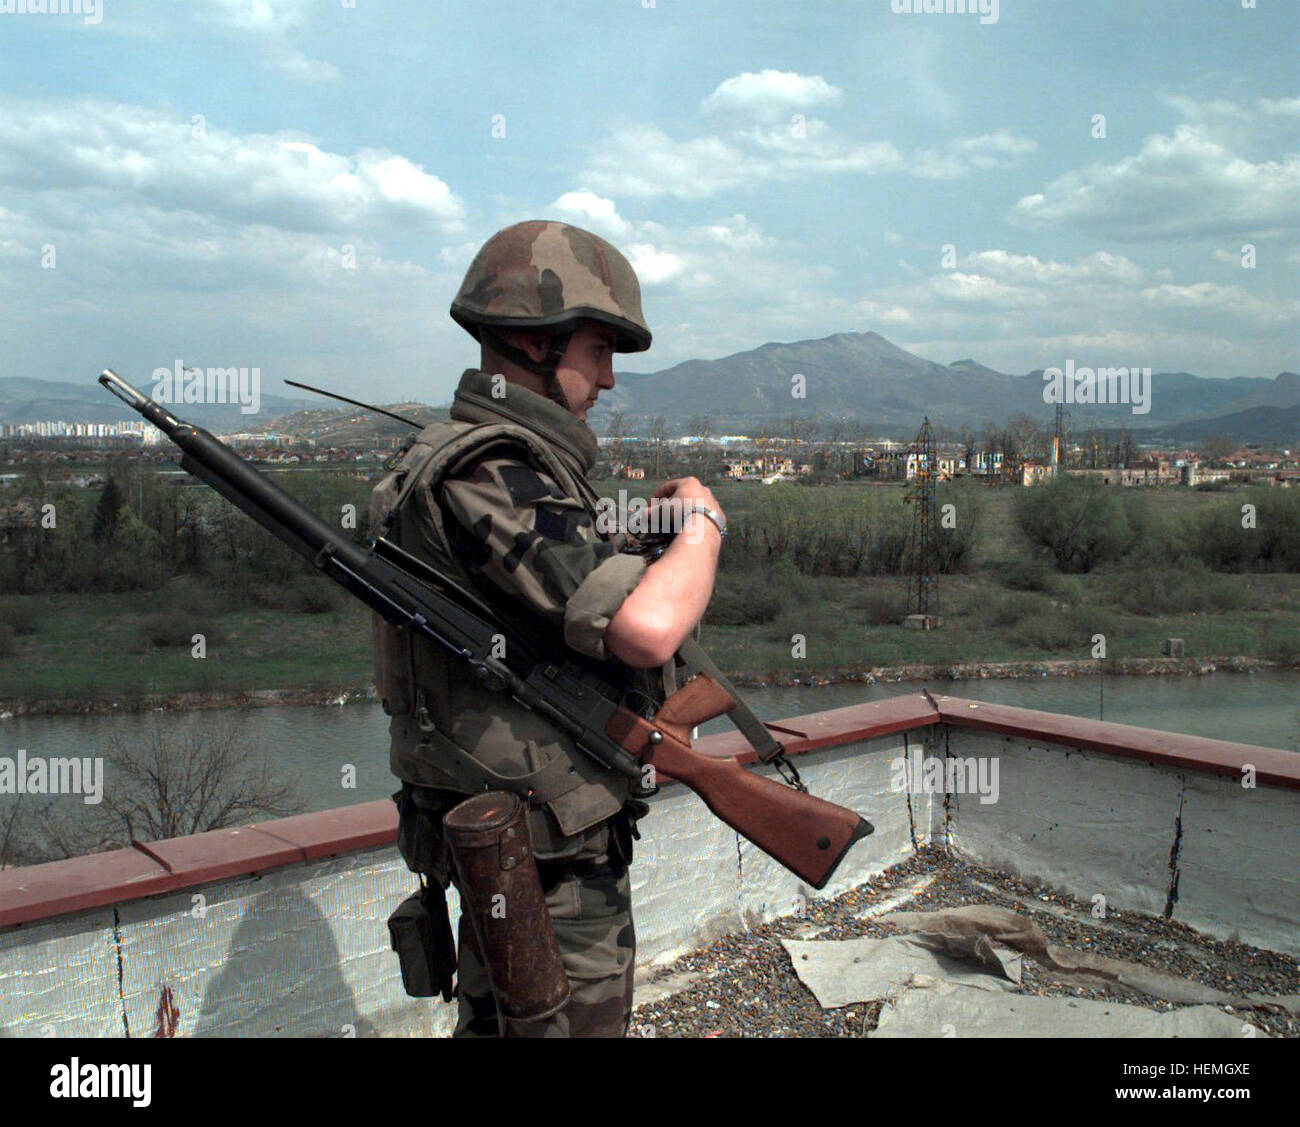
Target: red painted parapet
{"points": [[1273, 766], [38, 892]]}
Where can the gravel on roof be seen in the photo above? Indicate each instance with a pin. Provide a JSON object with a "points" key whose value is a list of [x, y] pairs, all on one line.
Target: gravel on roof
{"points": [[744, 985]]}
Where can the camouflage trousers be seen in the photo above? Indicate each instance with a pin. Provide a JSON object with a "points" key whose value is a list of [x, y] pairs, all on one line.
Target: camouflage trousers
{"points": [[590, 906], [591, 910]]}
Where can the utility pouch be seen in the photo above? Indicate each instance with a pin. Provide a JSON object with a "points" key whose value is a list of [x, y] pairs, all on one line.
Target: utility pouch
{"points": [[420, 931]]}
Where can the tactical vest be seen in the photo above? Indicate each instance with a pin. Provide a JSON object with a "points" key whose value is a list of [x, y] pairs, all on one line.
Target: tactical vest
{"points": [[448, 731]]}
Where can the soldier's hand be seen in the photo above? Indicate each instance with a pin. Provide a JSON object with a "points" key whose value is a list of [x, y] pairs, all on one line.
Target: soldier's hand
{"points": [[688, 489]]}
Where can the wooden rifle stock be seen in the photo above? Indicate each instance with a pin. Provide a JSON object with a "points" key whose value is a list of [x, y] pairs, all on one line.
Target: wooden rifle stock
{"points": [[808, 835]]}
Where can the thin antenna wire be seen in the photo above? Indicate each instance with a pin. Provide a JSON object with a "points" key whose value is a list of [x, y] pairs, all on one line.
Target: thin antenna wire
{"points": [[356, 403]]}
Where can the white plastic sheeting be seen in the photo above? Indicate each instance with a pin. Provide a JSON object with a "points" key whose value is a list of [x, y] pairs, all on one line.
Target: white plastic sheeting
{"points": [[948, 1010]]}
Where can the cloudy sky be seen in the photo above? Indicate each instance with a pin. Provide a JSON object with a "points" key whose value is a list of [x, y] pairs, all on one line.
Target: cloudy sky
{"points": [[299, 185]]}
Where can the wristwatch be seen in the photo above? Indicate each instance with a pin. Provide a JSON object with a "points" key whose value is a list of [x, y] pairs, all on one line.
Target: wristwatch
{"points": [[719, 521]]}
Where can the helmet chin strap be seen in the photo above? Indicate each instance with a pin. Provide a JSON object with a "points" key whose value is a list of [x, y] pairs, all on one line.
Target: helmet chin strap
{"points": [[546, 367]]}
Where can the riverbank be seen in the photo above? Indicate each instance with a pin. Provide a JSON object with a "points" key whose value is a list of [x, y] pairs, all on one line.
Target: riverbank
{"points": [[915, 674]]}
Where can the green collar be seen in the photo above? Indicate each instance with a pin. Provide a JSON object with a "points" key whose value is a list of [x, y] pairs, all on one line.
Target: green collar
{"points": [[474, 403]]}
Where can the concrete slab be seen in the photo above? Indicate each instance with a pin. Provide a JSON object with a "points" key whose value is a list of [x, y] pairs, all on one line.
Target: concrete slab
{"points": [[960, 1011], [863, 970]]}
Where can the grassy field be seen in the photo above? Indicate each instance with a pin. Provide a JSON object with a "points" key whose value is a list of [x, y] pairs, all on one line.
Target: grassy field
{"points": [[768, 620]]}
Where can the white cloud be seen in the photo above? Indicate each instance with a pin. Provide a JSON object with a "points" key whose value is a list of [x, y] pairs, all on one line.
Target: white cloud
{"points": [[1233, 300], [643, 161], [1015, 311], [1195, 182], [953, 285], [89, 148], [583, 208], [1101, 266], [653, 267], [1241, 127], [273, 16], [999, 149], [759, 140], [771, 94], [272, 24], [302, 69], [586, 209]]}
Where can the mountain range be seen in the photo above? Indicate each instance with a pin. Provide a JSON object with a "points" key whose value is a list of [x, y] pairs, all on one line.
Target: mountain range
{"points": [[27, 400], [864, 376], [860, 376]]}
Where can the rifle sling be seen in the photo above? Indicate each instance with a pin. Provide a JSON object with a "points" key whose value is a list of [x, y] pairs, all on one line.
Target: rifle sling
{"points": [[749, 725]]}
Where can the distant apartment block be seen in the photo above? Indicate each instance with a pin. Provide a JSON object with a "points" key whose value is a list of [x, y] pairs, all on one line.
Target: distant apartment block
{"points": [[59, 428]]}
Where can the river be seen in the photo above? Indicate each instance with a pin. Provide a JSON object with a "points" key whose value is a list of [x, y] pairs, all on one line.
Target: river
{"points": [[336, 756]]}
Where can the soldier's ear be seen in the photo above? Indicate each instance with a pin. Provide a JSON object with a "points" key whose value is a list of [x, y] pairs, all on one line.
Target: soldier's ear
{"points": [[535, 344]]}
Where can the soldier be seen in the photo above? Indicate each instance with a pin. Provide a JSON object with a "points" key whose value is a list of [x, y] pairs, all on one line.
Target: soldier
{"points": [[499, 497]]}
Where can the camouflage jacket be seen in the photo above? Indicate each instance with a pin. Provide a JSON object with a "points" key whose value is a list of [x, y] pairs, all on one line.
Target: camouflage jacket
{"points": [[499, 498]]}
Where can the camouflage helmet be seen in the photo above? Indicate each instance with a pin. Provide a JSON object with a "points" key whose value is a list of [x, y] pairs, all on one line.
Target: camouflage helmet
{"points": [[550, 275]]}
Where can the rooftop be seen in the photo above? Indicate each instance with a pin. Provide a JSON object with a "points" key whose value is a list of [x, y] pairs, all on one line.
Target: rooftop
{"points": [[1142, 872]]}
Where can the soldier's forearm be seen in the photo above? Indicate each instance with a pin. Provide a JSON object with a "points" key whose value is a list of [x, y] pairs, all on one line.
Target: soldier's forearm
{"points": [[671, 598]]}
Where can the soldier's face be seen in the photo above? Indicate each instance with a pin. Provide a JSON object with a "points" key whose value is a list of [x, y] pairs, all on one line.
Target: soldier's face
{"points": [[587, 367]]}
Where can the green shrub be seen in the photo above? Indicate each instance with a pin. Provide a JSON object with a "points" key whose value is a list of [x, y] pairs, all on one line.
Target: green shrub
{"points": [[1026, 575], [1159, 538], [1281, 642], [883, 605], [167, 630], [1008, 610], [1047, 630], [1068, 589], [743, 600], [1190, 589], [956, 545], [837, 531], [1081, 522], [1221, 537], [1087, 619], [8, 640], [313, 596], [1065, 629], [19, 614], [193, 595]]}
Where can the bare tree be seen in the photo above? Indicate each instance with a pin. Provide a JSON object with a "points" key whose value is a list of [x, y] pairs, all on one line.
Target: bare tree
{"points": [[658, 438], [1216, 448], [160, 788], [966, 436], [992, 437], [834, 434], [616, 432], [701, 426]]}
